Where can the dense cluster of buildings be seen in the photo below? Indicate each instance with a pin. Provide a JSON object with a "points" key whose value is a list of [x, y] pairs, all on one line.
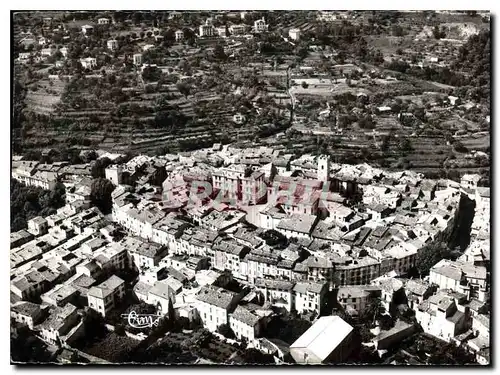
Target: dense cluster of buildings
{"points": [[298, 234], [39, 47]]}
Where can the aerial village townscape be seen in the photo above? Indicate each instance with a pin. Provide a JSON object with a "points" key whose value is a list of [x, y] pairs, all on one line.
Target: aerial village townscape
{"points": [[250, 187]]}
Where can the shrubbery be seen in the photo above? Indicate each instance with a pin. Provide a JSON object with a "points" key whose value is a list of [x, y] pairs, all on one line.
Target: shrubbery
{"points": [[27, 202]]}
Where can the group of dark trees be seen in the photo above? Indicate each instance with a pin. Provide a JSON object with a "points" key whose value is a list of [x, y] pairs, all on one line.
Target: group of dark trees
{"points": [[451, 354], [431, 254], [164, 352], [460, 236], [150, 350], [254, 356], [474, 59], [105, 90], [18, 104], [151, 74], [469, 71], [18, 95], [434, 352], [27, 202], [25, 347], [450, 247], [170, 117], [274, 238], [100, 194], [348, 39], [177, 348], [195, 144], [99, 166], [366, 122], [287, 328], [438, 33], [373, 312], [438, 74]]}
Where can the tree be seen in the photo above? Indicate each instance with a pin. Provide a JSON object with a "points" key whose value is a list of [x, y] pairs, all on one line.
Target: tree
{"points": [[405, 144], [274, 238], [244, 342], [419, 113], [437, 33], [120, 329], [304, 85], [302, 53], [100, 194], [151, 74], [399, 66], [29, 202], [450, 353], [397, 30], [366, 122], [386, 322], [171, 312], [431, 254], [87, 157], [254, 356], [93, 325], [364, 333], [219, 53], [226, 331], [199, 339], [373, 311], [183, 88], [386, 139], [287, 328], [27, 348], [459, 147], [99, 166], [171, 119], [162, 150]]}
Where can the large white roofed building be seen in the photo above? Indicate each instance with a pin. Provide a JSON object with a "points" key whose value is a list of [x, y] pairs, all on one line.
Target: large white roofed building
{"points": [[329, 339]]}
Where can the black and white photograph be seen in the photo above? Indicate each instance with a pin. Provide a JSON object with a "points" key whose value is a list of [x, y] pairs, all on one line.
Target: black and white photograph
{"points": [[250, 187]]}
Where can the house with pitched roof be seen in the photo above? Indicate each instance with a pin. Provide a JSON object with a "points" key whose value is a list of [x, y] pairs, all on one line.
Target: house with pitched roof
{"points": [[246, 323], [355, 298], [27, 313], [392, 291], [105, 296], [461, 277], [162, 292], [29, 285], [214, 306], [58, 323], [299, 226], [310, 296], [261, 263], [417, 291], [440, 316], [229, 254]]}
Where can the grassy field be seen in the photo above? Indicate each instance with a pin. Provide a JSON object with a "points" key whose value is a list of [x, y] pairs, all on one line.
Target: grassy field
{"points": [[45, 97]]}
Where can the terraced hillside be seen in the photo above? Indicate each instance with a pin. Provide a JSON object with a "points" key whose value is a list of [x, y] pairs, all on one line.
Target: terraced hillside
{"points": [[91, 111], [331, 84]]}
